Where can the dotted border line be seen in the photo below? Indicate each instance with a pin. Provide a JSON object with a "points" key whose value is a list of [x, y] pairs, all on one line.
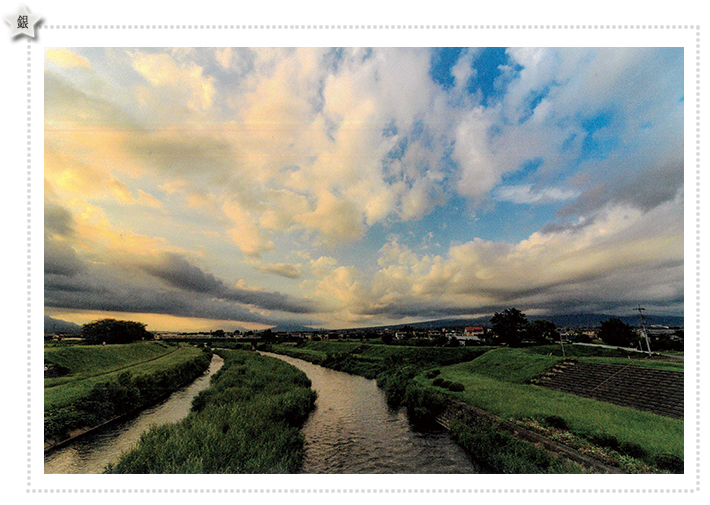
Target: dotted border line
{"points": [[361, 491], [697, 258], [364, 491], [29, 262], [371, 27]]}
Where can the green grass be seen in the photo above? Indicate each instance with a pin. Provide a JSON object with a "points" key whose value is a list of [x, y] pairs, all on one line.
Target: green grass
{"points": [[84, 361], [125, 377], [138, 359], [247, 422], [510, 365], [496, 382], [672, 365]]}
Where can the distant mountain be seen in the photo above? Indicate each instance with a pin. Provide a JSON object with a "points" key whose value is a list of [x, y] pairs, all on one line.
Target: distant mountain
{"points": [[52, 325], [595, 319], [559, 320], [291, 327]]}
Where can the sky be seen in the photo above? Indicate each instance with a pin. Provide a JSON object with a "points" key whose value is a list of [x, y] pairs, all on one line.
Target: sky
{"points": [[203, 188]]}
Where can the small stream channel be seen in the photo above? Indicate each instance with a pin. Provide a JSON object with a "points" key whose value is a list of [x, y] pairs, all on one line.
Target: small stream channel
{"points": [[353, 430], [91, 453]]}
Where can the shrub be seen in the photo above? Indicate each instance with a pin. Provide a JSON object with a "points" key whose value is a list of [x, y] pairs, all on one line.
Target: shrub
{"points": [[423, 404], [633, 449], [438, 382], [456, 386], [556, 422], [669, 462], [605, 440], [433, 373]]}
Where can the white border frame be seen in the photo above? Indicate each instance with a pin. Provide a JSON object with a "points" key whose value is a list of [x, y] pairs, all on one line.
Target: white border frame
{"points": [[391, 28]]}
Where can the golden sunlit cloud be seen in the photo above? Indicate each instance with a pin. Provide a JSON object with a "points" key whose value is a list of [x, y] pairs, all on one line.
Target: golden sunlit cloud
{"points": [[66, 58]]}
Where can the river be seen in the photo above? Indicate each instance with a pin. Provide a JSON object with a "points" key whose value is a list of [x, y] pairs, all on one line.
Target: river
{"points": [[353, 430], [91, 453]]}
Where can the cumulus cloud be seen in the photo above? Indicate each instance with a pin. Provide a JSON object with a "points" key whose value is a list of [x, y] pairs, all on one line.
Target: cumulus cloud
{"points": [[66, 58], [247, 154]]}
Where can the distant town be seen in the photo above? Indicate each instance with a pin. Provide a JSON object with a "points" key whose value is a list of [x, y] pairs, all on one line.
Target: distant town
{"points": [[661, 337]]}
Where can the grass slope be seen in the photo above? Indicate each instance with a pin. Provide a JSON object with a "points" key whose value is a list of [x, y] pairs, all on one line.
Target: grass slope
{"points": [[497, 383], [138, 359]]}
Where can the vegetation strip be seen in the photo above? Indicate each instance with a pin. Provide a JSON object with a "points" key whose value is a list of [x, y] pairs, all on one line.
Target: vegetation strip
{"points": [[247, 421], [498, 380]]}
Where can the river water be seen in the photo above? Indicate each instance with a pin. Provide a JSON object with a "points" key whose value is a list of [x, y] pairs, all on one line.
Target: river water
{"points": [[353, 430], [91, 453]]}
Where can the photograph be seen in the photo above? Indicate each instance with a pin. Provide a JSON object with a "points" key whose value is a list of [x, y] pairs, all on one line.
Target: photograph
{"points": [[359, 260]]}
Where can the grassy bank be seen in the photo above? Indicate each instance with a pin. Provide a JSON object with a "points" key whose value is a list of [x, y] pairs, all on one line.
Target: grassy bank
{"points": [[247, 421], [123, 378], [498, 382]]}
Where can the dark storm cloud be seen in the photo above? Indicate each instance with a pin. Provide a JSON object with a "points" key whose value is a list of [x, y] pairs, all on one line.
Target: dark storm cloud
{"points": [[179, 273], [645, 191], [58, 220], [61, 259], [131, 299]]}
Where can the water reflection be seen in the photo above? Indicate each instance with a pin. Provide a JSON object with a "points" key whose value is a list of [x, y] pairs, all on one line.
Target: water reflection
{"points": [[353, 430]]}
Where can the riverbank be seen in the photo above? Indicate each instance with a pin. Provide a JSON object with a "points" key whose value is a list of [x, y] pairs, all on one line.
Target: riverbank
{"points": [[499, 382], [104, 383], [247, 421]]}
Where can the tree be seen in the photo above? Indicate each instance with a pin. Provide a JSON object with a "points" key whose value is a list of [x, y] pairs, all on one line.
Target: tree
{"points": [[510, 326], [111, 331], [543, 332], [268, 336], [618, 333]]}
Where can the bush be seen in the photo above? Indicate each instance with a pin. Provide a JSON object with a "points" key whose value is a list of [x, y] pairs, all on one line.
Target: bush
{"points": [[456, 387], [423, 404], [604, 440], [633, 449], [433, 373], [556, 422], [669, 462], [438, 382]]}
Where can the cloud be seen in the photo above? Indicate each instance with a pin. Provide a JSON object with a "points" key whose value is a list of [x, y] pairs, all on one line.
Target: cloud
{"points": [[179, 273], [188, 166], [186, 82], [280, 269], [66, 58], [525, 194]]}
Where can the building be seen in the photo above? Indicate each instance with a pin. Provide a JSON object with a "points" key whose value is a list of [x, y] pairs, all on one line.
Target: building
{"points": [[473, 331]]}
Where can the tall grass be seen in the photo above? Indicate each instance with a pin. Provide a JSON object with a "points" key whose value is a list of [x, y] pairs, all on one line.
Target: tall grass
{"points": [[247, 421]]}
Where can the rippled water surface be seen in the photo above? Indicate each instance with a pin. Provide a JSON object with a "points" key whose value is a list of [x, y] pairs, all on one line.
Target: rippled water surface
{"points": [[353, 430], [93, 452]]}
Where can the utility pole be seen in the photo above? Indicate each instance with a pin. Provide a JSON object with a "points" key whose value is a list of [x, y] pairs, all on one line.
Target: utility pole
{"points": [[643, 328]]}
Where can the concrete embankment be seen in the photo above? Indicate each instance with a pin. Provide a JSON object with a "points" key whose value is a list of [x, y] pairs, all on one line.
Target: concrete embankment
{"points": [[476, 418]]}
